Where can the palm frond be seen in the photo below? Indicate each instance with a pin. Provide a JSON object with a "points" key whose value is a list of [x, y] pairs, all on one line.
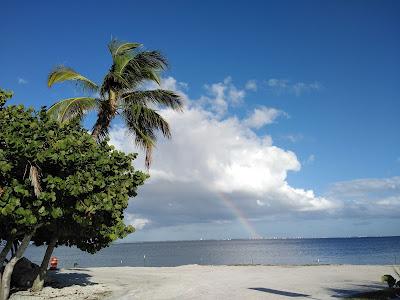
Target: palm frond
{"points": [[145, 65], [144, 122], [148, 118], [61, 73], [119, 48], [159, 97], [72, 108], [151, 60], [151, 75], [131, 68], [120, 62]]}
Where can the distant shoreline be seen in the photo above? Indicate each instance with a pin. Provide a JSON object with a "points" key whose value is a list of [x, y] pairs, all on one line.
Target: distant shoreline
{"points": [[265, 239]]}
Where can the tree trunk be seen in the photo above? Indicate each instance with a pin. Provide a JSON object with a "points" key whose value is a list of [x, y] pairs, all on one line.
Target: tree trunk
{"points": [[5, 251], [39, 280], [6, 278], [104, 117], [3, 256]]}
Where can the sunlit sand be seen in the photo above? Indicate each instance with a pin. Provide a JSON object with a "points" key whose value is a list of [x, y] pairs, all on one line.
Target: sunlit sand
{"points": [[216, 282]]}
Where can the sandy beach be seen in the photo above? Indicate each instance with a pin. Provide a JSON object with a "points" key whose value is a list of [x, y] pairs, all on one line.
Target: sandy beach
{"points": [[213, 282]]}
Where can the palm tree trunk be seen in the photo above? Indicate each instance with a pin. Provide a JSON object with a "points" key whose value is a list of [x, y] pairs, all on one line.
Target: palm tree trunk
{"points": [[104, 117], [39, 280], [6, 277]]}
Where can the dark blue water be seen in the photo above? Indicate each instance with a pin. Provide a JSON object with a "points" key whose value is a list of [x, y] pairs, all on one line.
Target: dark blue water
{"points": [[380, 250]]}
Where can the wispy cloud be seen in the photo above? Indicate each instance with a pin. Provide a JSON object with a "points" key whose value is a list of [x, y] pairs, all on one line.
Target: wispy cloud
{"points": [[22, 80], [301, 87], [251, 85], [278, 83], [262, 116], [294, 138], [310, 159], [281, 86]]}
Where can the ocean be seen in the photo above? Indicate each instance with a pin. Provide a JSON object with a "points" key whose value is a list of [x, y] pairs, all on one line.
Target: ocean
{"points": [[360, 251]]}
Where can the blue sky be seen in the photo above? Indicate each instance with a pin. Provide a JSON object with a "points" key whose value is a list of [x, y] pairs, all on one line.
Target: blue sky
{"points": [[330, 67]]}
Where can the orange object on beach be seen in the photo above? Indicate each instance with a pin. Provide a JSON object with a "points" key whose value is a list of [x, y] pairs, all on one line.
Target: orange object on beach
{"points": [[53, 263]]}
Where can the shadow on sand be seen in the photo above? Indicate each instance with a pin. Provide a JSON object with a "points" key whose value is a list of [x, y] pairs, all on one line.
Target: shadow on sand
{"points": [[59, 280], [278, 292], [371, 290]]}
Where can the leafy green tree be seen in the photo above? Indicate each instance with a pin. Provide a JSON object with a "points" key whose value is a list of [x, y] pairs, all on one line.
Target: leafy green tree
{"points": [[78, 198], [121, 94], [99, 186], [4, 95]]}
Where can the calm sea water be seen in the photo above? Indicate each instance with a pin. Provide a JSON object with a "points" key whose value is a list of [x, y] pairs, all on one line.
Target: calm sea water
{"points": [[380, 250]]}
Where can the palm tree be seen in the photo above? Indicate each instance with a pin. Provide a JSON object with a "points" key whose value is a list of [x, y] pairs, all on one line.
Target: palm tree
{"points": [[121, 94]]}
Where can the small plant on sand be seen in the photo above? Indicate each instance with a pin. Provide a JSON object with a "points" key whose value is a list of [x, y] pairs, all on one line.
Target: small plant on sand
{"points": [[390, 280]]}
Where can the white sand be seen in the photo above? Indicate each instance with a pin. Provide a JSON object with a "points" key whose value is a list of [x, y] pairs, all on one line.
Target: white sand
{"points": [[216, 282]]}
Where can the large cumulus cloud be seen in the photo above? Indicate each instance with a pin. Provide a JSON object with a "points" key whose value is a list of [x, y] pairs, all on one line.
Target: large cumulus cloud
{"points": [[214, 155]]}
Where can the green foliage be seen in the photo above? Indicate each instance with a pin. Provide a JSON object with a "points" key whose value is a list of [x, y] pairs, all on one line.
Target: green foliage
{"points": [[4, 96], [84, 186]]}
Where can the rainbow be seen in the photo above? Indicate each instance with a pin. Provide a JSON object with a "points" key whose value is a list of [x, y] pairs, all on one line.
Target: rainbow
{"points": [[241, 217]]}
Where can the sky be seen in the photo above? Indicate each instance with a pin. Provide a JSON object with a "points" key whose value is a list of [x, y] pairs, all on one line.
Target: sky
{"points": [[290, 127]]}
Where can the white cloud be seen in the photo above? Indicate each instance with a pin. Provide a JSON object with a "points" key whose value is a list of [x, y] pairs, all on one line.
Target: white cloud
{"points": [[251, 85], [368, 197], [236, 95], [218, 101], [211, 159], [137, 222], [220, 95], [260, 203], [281, 86], [22, 81], [262, 116]]}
